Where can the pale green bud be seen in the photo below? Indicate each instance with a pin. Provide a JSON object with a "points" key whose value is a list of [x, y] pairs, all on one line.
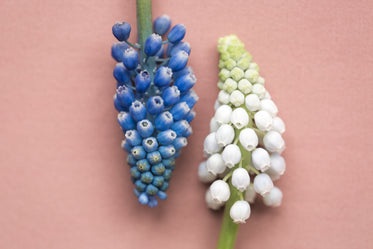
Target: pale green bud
{"points": [[243, 63], [224, 74], [237, 73], [229, 64], [252, 75], [245, 86], [254, 66], [230, 85], [220, 85]]}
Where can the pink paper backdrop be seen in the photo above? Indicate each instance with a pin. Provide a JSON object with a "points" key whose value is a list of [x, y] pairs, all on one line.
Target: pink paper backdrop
{"points": [[63, 179]]}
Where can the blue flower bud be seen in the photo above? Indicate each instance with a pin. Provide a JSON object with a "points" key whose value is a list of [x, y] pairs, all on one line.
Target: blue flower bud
{"points": [[164, 186], [167, 151], [177, 33], [145, 128], [190, 116], [152, 201], [142, 81], [126, 146], [158, 181], [143, 198], [154, 158], [137, 193], [187, 132], [146, 177], [143, 165], [163, 121], [158, 169], [151, 189], [152, 44], [133, 137], [177, 154], [125, 96], [121, 74], [135, 173], [162, 24], [162, 195], [140, 186], [170, 95], [169, 163], [180, 142], [118, 105], [179, 110], [138, 110], [181, 46], [121, 30], [130, 58], [163, 76], [190, 98], [185, 82], [125, 121], [117, 50], [166, 137], [184, 71], [167, 174], [150, 144], [180, 127], [160, 53], [178, 61], [131, 160], [155, 105], [138, 152]]}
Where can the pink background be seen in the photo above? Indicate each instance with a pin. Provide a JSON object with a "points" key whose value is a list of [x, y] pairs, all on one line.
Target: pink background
{"points": [[63, 179]]}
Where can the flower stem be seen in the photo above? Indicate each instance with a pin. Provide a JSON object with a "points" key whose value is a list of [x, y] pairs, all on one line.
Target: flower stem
{"points": [[229, 229], [144, 23]]}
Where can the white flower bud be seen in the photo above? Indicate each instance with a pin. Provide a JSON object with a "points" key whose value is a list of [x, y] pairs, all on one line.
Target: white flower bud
{"points": [[267, 95], [252, 102], [239, 118], [240, 211], [223, 114], [269, 106], [203, 174], [237, 98], [211, 203], [248, 139], [224, 135], [250, 194], [216, 105], [278, 167], [210, 146], [260, 81], [273, 198], [273, 142], [231, 155], [263, 184], [245, 86], [215, 164], [254, 66], [263, 120], [214, 126], [260, 159], [220, 191], [259, 90], [223, 97], [278, 125], [252, 75], [240, 179], [230, 85]]}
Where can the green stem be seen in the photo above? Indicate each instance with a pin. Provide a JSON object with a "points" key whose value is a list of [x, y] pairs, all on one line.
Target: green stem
{"points": [[144, 24], [229, 229]]}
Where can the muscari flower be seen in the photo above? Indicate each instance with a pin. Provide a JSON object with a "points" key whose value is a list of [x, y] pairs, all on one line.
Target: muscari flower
{"points": [[245, 141], [154, 98]]}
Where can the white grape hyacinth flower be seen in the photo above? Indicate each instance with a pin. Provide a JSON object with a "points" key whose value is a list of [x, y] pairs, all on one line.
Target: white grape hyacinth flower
{"points": [[220, 191], [211, 203], [215, 164], [252, 102], [248, 139], [239, 118], [263, 184], [263, 120], [240, 179], [214, 126], [231, 155], [204, 175], [278, 125], [261, 159], [223, 114], [273, 198], [223, 97], [210, 146], [274, 142], [237, 98], [245, 86], [224, 135], [240, 211], [278, 167], [269, 106], [250, 194]]}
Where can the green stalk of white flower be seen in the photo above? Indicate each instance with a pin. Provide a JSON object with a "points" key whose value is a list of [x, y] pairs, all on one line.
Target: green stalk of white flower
{"points": [[244, 146]]}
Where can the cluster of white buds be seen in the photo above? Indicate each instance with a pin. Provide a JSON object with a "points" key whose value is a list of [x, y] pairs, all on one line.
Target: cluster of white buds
{"points": [[245, 142]]}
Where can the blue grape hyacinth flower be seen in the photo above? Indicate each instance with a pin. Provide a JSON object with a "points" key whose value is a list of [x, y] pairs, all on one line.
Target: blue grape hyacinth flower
{"points": [[154, 98]]}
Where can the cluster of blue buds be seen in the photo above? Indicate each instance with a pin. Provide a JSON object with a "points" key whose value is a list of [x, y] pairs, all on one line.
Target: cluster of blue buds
{"points": [[154, 98]]}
